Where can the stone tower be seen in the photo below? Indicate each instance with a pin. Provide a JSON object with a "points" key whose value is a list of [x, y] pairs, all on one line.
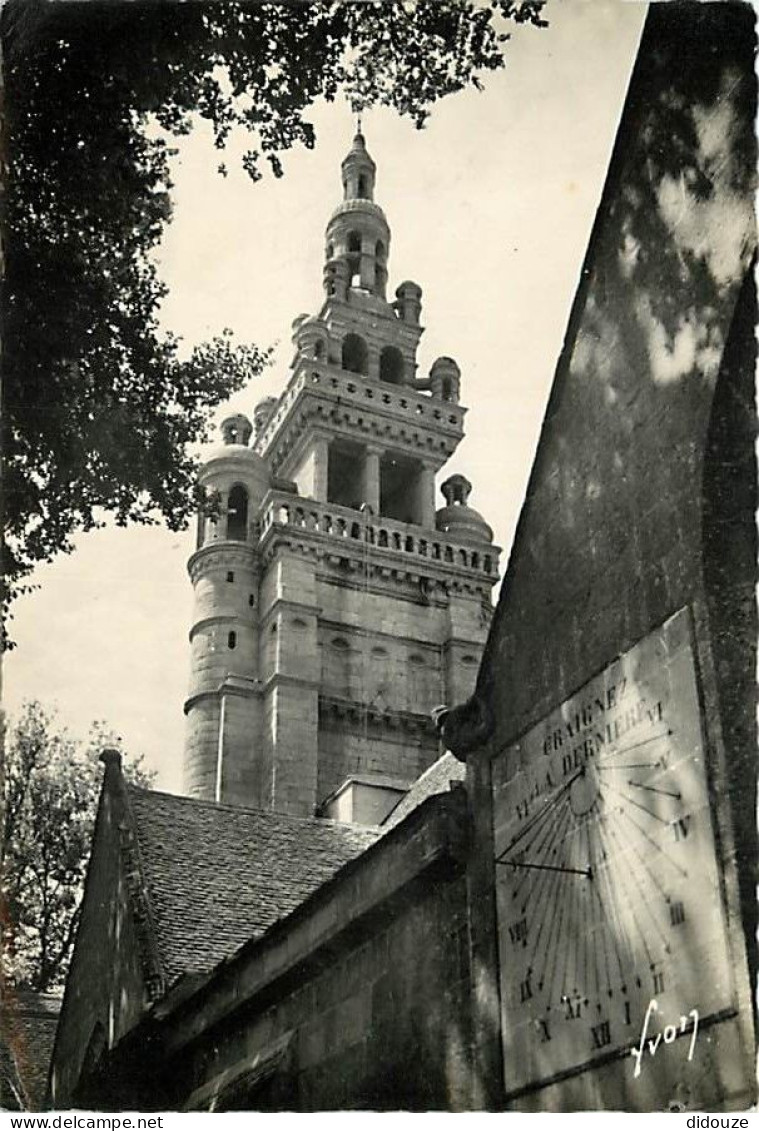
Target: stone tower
{"points": [[334, 607]]}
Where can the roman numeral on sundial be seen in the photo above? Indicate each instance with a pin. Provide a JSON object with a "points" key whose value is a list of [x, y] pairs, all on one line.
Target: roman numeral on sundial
{"points": [[680, 827], [518, 932], [601, 1034], [574, 1007], [676, 913]]}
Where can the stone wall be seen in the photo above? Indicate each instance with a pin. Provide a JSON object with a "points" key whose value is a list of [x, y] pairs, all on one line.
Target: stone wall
{"points": [[393, 754], [642, 495], [398, 656], [106, 991], [376, 1029]]}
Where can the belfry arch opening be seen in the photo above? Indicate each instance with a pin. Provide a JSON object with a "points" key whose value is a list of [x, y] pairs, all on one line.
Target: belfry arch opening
{"points": [[344, 475], [401, 489], [237, 514], [391, 366], [354, 257], [355, 354]]}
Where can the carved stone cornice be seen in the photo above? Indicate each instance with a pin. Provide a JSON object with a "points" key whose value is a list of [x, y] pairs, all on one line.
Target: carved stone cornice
{"points": [[222, 555], [382, 550], [233, 685], [323, 395], [221, 618], [392, 570], [360, 423], [335, 709]]}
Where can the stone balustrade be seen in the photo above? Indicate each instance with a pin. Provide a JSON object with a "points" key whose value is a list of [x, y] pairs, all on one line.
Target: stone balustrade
{"points": [[365, 391], [282, 510]]}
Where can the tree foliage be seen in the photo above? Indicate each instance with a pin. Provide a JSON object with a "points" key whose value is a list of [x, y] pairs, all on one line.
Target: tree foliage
{"points": [[99, 405], [696, 165], [50, 790]]}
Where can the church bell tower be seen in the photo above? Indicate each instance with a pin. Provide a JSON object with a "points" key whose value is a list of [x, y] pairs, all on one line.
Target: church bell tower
{"points": [[334, 605]]}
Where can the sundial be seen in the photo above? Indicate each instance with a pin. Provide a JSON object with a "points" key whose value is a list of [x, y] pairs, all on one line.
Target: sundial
{"points": [[608, 893]]}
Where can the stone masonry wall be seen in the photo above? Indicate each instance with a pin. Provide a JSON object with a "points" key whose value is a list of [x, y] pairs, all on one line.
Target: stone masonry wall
{"points": [[384, 1026], [400, 754], [642, 493]]}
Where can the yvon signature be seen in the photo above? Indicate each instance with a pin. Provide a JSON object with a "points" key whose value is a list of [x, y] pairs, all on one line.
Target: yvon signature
{"points": [[667, 1035]]}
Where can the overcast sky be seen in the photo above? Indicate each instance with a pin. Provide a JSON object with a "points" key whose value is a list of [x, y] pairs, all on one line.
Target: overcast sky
{"points": [[490, 209]]}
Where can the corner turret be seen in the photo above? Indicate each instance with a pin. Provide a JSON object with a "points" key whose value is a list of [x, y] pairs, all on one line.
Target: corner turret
{"points": [[457, 518]]}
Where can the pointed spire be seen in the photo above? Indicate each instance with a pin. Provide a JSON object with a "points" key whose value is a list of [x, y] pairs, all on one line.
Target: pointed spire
{"points": [[358, 236], [358, 169]]}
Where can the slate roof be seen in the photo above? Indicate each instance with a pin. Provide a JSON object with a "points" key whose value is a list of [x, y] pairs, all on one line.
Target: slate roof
{"points": [[27, 1033], [436, 779], [218, 875]]}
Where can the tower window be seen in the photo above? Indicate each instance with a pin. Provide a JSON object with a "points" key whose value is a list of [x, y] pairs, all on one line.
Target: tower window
{"points": [[362, 186], [232, 640], [391, 365], [237, 513], [355, 354], [318, 350], [354, 258], [330, 251], [230, 575], [252, 600]]}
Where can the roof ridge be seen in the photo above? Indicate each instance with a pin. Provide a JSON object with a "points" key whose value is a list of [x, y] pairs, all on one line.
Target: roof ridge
{"points": [[434, 765], [443, 756], [138, 889], [407, 804], [225, 806]]}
